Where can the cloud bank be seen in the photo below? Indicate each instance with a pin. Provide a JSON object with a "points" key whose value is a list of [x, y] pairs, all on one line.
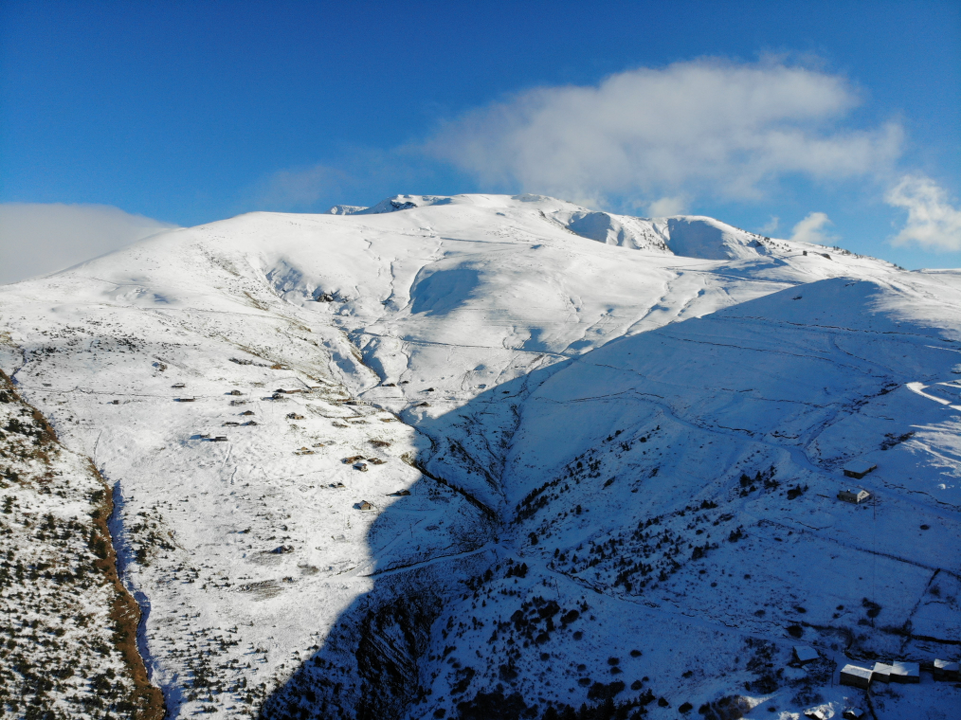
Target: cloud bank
{"points": [[299, 188], [933, 223], [812, 229], [693, 128], [358, 172], [37, 239]]}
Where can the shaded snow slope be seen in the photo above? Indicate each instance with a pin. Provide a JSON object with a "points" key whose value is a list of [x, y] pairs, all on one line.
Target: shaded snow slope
{"points": [[393, 384], [674, 507]]}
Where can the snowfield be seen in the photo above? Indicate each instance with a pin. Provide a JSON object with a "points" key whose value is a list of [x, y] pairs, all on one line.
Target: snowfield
{"points": [[487, 456]]}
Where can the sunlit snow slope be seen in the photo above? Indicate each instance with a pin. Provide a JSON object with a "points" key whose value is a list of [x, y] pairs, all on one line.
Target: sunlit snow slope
{"points": [[489, 454]]}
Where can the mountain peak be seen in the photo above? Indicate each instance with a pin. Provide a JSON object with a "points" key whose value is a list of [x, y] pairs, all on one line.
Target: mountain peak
{"points": [[448, 455]]}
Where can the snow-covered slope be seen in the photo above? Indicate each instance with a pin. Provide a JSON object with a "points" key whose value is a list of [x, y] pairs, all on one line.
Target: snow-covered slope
{"points": [[68, 643], [451, 423]]}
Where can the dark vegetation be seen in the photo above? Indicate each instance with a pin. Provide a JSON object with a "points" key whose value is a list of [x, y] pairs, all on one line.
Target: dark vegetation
{"points": [[52, 646]]}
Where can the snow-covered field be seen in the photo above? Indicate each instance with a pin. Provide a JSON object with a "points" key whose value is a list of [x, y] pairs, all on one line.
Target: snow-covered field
{"points": [[489, 455]]}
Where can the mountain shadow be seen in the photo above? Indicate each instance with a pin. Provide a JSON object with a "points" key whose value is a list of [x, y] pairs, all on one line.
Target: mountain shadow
{"points": [[659, 521], [376, 661]]}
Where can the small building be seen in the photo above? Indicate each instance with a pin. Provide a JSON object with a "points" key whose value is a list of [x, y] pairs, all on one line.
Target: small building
{"points": [[235, 392], [905, 672], [853, 714], [855, 676], [365, 506], [179, 385], [804, 654], [945, 670], [881, 672], [184, 399], [362, 466], [855, 496], [219, 438], [859, 468]]}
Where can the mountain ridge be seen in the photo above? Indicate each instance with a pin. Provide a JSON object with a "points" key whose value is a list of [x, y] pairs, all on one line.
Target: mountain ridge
{"points": [[534, 416]]}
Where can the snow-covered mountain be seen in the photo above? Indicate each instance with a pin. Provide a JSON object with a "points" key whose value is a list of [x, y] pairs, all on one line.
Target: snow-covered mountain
{"points": [[489, 456]]}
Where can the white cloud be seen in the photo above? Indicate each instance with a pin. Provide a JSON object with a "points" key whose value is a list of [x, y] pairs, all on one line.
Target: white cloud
{"points": [[363, 173], [36, 239], [667, 206], [811, 229], [703, 127], [933, 223], [771, 225], [299, 188]]}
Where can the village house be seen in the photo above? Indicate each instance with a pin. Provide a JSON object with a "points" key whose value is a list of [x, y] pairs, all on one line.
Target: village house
{"points": [[855, 676], [858, 468], [905, 672], [881, 672], [945, 670], [854, 496], [804, 654], [365, 506]]}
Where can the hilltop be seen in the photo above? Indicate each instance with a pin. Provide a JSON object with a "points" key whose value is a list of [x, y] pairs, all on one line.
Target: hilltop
{"points": [[461, 456]]}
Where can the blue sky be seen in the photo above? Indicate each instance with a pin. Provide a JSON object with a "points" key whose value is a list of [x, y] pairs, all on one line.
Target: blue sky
{"points": [[839, 121]]}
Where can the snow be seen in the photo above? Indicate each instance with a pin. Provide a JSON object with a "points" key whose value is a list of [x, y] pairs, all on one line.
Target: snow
{"points": [[60, 653], [641, 420]]}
